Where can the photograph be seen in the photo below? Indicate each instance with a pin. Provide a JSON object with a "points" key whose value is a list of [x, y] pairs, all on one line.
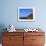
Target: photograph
{"points": [[26, 14]]}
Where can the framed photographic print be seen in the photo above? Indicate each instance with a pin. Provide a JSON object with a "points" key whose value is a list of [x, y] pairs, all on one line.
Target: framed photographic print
{"points": [[26, 14]]}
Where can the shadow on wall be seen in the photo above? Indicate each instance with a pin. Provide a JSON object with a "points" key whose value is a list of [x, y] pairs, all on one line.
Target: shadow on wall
{"points": [[2, 26]]}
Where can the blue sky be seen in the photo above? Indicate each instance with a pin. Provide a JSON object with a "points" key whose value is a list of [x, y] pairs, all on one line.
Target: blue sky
{"points": [[25, 12]]}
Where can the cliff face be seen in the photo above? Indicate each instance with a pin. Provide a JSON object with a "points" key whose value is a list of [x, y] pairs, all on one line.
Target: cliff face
{"points": [[30, 16]]}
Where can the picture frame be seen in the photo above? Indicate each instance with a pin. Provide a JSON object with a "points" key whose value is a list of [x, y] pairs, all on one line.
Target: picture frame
{"points": [[26, 14]]}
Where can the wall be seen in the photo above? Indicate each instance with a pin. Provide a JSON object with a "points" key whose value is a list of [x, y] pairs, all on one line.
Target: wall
{"points": [[8, 13]]}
